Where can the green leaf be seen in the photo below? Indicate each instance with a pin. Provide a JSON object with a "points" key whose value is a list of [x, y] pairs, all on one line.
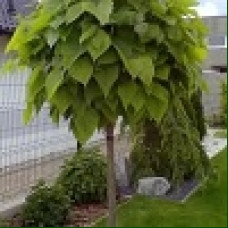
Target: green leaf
{"points": [[127, 16], [139, 98], [156, 108], [54, 114], [40, 22], [87, 32], [74, 12], [142, 67], [127, 93], [100, 10], [197, 53], [147, 32], [106, 77], [92, 91], [162, 72], [70, 50], [174, 33], [140, 5], [53, 81], [98, 44], [137, 65], [52, 37], [85, 124], [56, 22], [53, 6], [28, 113], [158, 91], [62, 99], [109, 57], [8, 67], [35, 83], [82, 70], [19, 37], [158, 8]]}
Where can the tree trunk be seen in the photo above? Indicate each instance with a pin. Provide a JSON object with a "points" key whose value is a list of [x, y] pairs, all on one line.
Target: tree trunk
{"points": [[79, 146], [111, 178]]}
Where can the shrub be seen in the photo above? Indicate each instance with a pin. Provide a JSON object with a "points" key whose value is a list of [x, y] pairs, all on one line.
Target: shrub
{"points": [[171, 149], [223, 102], [84, 176], [46, 206], [194, 110]]}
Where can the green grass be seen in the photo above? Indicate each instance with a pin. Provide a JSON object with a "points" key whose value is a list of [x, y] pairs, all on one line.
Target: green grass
{"points": [[206, 208], [221, 134]]}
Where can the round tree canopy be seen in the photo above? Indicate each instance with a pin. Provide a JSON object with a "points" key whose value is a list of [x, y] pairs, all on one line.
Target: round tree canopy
{"points": [[95, 60]]}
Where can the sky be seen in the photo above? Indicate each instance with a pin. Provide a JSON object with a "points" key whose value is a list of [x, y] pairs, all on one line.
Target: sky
{"points": [[212, 7]]}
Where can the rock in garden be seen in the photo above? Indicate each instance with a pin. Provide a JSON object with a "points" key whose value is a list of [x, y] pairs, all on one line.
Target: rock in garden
{"points": [[153, 186]]}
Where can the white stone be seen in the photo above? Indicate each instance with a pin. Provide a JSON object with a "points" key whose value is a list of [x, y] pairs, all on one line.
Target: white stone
{"points": [[153, 186]]}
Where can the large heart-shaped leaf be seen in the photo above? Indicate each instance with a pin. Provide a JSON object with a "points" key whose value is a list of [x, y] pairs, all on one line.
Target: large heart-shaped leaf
{"points": [[98, 44], [127, 93], [85, 124], [156, 108], [53, 81], [62, 99], [106, 77], [82, 70]]}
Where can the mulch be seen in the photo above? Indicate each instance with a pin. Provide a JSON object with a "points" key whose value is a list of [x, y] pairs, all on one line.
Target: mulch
{"points": [[80, 216], [85, 215]]}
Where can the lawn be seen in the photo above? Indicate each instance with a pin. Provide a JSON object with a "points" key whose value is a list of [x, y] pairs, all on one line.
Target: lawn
{"points": [[206, 208]]}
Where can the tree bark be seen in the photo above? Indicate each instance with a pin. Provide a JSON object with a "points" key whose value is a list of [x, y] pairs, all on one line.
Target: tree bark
{"points": [[111, 178]]}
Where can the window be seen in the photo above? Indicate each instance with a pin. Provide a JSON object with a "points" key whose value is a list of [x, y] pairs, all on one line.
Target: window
{"points": [[217, 41], [11, 9]]}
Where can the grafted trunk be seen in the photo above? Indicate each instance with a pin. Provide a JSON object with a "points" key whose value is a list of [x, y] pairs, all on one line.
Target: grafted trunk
{"points": [[111, 178]]}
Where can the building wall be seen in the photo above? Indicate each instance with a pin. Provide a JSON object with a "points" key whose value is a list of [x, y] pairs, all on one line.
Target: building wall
{"points": [[211, 99], [7, 15], [216, 57], [216, 25]]}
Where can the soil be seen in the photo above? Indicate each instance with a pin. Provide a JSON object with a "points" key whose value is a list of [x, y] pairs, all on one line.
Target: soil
{"points": [[84, 215]]}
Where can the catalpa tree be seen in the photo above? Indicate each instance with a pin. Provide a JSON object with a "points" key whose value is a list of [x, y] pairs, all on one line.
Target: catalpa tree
{"points": [[96, 60]]}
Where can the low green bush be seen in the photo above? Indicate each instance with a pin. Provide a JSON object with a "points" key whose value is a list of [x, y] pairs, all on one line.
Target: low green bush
{"points": [[46, 206], [84, 176], [223, 103]]}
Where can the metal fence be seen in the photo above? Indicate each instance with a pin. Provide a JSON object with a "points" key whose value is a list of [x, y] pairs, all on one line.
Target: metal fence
{"points": [[33, 152], [27, 153]]}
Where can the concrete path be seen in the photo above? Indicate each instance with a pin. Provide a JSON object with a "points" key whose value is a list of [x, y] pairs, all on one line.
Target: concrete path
{"points": [[212, 144]]}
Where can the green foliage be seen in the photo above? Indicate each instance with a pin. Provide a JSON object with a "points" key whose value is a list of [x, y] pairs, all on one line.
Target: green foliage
{"points": [[223, 102], [84, 176], [182, 147], [194, 110], [171, 149], [94, 50], [46, 206]]}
